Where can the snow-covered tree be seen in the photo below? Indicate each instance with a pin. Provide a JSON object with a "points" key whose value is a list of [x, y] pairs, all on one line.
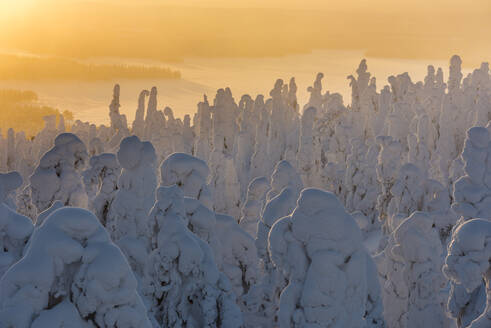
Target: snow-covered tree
{"points": [[360, 181], [253, 206], [127, 219], [71, 275], [190, 174], [58, 175], [182, 282], [319, 251], [101, 178], [305, 155], [9, 182], [15, 229], [406, 195], [468, 263], [417, 245], [239, 262], [472, 192], [138, 127], [387, 169], [202, 222]]}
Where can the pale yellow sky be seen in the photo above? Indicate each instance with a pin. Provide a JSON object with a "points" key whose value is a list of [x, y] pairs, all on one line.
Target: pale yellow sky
{"points": [[231, 28], [19, 6]]}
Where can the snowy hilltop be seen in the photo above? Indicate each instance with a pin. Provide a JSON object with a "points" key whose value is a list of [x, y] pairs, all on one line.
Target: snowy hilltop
{"points": [[257, 212]]}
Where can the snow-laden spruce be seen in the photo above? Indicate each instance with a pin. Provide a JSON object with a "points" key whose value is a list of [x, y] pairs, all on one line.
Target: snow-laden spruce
{"points": [[468, 262], [127, 219], [71, 275], [15, 229], [119, 126], [319, 251], [305, 155], [58, 175], [471, 200], [182, 283], [9, 182], [417, 245], [101, 183], [472, 192], [388, 164], [240, 261], [253, 206], [233, 249], [286, 185], [190, 174], [360, 181]]}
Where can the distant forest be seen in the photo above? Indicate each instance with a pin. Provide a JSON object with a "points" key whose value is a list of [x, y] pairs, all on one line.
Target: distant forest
{"points": [[22, 111], [13, 67]]}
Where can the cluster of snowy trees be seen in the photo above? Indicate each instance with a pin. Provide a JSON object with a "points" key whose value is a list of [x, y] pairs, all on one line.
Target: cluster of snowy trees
{"points": [[257, 213]]}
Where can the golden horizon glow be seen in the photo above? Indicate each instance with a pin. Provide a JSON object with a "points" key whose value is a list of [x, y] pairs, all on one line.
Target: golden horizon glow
{"points": [[249, 28]]}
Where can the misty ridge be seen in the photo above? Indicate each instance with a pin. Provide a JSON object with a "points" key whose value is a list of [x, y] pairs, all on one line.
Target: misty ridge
{"points": [[22, 112], [36, 68]]}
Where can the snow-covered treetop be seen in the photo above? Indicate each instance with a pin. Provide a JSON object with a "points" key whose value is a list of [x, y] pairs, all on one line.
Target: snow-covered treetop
{"points": [[15, 230], [416, 239], [319, 250], [100, 166], [190, 174], [284, 175], [257, 188], [469, 253], [8, 183], [69, 150], [311, 226], [455, 73], [58, 175], [467, 264], [132, 152], [473, 191]]}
